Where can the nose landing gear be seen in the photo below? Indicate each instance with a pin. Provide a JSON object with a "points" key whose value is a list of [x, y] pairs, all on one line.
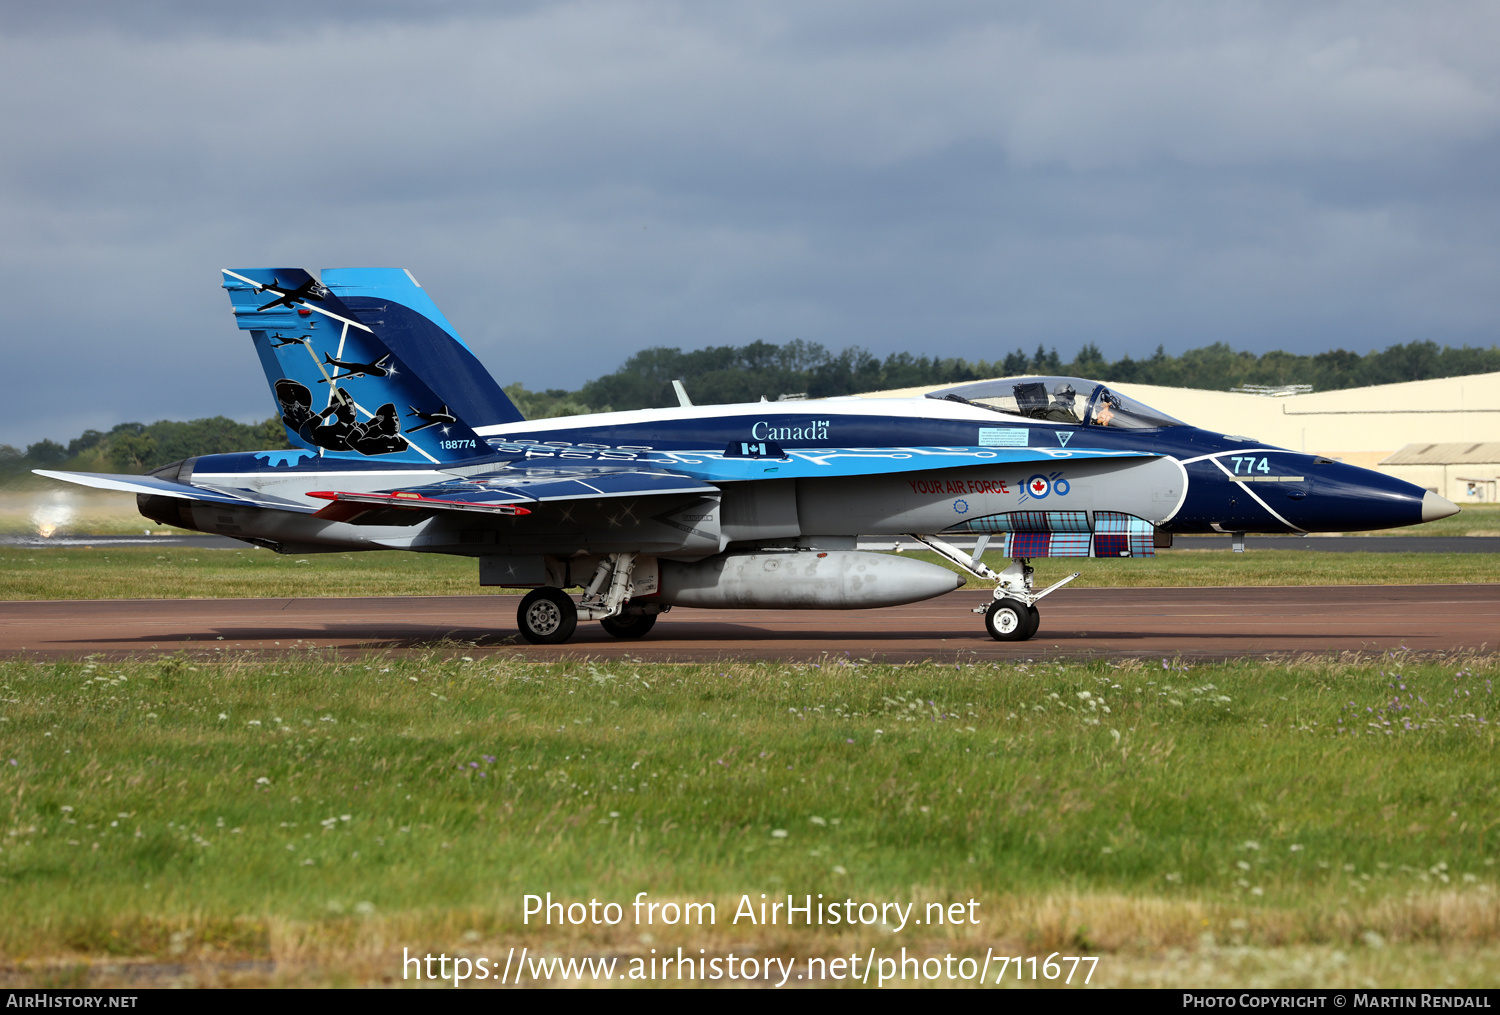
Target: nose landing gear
{"points": [[1012, 615], [1011, 620]]}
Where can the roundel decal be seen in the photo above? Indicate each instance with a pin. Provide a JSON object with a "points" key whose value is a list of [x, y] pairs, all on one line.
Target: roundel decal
{"points": [[1038, 486], [961, 506]]}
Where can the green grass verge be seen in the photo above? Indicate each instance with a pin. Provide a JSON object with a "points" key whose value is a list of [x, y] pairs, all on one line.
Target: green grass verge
{"points": [[1339, 812], [186, 572], [191, 573]]}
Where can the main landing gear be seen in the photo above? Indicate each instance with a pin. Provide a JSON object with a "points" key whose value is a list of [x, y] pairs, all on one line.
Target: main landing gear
{"points": [[548, 616], [1012, 615]]}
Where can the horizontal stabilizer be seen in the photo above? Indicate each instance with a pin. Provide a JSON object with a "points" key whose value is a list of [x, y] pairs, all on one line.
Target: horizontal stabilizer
{"points": [[153, 487]]}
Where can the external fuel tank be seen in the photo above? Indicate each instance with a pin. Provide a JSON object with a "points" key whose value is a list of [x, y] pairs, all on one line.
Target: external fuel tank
{"points": [[803, 580]]}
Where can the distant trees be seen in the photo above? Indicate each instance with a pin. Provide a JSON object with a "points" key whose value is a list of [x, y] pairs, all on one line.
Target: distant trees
{"points": [[139, 447], [722, 374], [728, 373]]}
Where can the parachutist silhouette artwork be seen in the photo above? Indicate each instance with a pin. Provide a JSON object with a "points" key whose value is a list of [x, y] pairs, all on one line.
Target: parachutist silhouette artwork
{"points": [[337, 428]]}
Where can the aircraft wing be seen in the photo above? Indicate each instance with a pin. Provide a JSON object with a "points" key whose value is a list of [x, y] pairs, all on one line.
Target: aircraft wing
{"points": [[508, 490], [153, 486]]}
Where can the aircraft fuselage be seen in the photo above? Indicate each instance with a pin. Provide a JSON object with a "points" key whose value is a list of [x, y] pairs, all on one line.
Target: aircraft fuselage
{"points": [[1195, 481]]}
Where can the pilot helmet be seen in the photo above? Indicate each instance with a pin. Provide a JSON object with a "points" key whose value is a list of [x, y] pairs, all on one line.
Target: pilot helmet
{"points": [[1064, 392]]}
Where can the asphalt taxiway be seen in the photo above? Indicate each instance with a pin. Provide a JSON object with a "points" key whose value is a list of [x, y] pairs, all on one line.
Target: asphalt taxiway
{"points": [[1186, 622]]}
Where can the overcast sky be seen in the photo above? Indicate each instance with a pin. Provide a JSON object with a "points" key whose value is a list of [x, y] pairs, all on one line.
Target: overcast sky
{"points": [[573, 182]]}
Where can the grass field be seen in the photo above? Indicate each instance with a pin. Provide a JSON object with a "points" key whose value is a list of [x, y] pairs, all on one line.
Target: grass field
{"points": [[185, 572], [1325, 822]]}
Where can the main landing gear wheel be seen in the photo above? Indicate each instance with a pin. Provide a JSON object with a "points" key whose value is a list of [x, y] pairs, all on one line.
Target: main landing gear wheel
{"points": [[1011, 620], [547, 616], [628, 625]]}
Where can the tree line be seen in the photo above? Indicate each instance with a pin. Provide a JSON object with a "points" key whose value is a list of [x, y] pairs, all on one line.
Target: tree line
{"points": [[140, 447], [724, 374]]}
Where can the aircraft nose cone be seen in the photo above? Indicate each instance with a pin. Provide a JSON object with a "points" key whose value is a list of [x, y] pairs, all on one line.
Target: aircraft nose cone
{"points": [[1435, 507]]}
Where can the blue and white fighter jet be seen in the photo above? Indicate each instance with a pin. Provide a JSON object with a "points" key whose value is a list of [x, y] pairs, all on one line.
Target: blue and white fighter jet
{"points": [[757, 505]]}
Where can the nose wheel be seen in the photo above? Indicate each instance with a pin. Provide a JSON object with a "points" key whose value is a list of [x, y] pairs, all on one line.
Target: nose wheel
{"points": [[1012, 615], [1011, 620]]}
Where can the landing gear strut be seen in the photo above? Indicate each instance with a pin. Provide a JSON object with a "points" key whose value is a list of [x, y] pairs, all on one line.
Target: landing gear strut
{"points": [[548, 616], [1012, 615]]}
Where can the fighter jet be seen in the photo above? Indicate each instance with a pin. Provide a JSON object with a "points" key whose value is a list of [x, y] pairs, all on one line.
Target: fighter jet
{"points": [[310, 289], [731, 506], [431, 418], [285, 341], [376, 369]]}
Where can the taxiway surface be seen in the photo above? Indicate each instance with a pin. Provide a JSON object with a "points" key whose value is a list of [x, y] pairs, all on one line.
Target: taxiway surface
{"points": [[1187, 622]]}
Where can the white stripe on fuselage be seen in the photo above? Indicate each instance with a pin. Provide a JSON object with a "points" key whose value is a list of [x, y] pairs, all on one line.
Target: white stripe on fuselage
{"points": [[873, 408]]}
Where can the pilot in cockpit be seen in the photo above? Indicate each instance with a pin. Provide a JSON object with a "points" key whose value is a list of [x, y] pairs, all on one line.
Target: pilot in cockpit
{"points": [[1062, 409]]}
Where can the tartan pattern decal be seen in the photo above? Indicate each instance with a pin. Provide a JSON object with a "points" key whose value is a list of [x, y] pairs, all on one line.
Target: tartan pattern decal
{"points": [[1030, 544], [1122, 535], [1027, 521], [1065, 534]]}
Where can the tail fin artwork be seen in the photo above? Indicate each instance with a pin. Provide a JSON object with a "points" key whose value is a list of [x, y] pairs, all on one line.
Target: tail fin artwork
{"points": [[410, 324], [337, 382]]}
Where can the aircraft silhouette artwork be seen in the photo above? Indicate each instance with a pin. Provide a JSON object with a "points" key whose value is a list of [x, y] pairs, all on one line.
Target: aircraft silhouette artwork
{"points": [[310, 289], [758, 505], [380, 368], [430, 418]]}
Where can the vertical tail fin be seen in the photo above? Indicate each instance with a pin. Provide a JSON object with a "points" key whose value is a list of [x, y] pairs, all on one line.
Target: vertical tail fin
{"points": [[307, 337], [390, 301]]}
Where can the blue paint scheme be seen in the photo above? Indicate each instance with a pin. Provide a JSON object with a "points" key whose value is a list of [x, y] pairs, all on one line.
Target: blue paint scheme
{"points": [[706, 465], [251, 462], [450, 370], [526, 483], [410, 324], [831, 463], [289, 459], [388, 284], [297, 350]]}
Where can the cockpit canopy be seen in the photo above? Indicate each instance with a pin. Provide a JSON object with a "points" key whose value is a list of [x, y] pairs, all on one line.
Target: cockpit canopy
{"points": [[1059, 400]]}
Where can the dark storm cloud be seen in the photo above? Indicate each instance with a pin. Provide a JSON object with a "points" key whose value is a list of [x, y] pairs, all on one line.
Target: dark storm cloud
{"points": [[576, 181]]}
